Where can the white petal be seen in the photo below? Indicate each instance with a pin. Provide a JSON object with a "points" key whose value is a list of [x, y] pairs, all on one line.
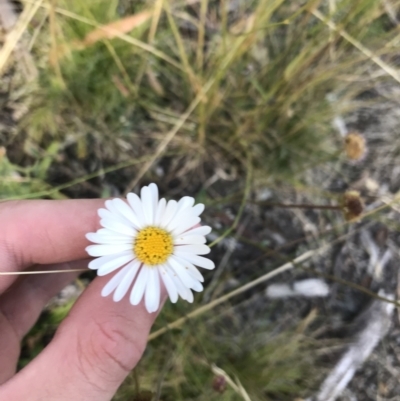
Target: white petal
{"points": [[168, 283], [113, 213], [189, 240], [180, 218], [198, 260], [189, 295], [185, 202], [118, 227], [110, 267], [126, 282], [103, 250], [191, 269], [112, 207], [140, 286], [188, 223], [136, 205], [107, 215], [112, 240], [152, 296], [170, 210], [127, 212], [196, 274], [148, 205], [105, 232], [113, 260], [203, 230], [154, 193], [113, 283], [198, 209], [160, 211], [186, 278], [108, 239], [183, 291], [197, 249]]}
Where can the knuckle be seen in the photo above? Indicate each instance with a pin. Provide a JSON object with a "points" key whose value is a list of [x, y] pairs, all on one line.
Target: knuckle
{"points": [[106, 354]]}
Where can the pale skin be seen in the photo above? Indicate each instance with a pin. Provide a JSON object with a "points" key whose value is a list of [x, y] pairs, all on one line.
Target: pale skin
{"points": [[98, 343]]}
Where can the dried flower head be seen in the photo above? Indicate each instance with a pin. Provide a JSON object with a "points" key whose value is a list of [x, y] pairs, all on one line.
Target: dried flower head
{"points": [[355, 146], [219, 384], [352, 205], [148, 241]]}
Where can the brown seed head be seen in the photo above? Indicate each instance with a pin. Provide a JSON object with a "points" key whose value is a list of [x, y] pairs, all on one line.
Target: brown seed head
{"points": [[219, 384], [352, 205], [355, 146]]}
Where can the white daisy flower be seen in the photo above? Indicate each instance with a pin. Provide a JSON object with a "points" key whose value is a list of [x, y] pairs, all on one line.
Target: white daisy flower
{"points": [[150, 240]]}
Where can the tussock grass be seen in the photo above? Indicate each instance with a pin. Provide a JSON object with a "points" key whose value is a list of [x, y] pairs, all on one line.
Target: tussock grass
{"points": [[269, 69]]}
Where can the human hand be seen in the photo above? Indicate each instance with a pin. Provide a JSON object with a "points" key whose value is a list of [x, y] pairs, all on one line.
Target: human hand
{"points": [[98, 343]]}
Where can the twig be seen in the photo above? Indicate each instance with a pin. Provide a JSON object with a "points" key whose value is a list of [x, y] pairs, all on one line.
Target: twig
{"points": [[379, 317], [237, 387], [385, 67], [27, 273], [299, 205], [14, 36]]}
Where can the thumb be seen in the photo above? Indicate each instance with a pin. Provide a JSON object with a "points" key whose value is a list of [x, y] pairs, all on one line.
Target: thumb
{"points": [[93, 351]]}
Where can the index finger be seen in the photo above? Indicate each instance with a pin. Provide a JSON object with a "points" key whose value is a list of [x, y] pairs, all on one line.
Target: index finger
{"points": [[44, 232]]}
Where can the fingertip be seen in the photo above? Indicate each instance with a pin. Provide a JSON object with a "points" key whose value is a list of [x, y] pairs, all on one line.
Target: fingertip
{"points": [[94, 349]]}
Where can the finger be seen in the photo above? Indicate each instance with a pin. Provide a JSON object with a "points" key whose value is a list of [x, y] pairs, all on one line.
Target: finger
{"points": [[44, 232], [9, 349], [94, 349], [21, 306], [23, 302]]}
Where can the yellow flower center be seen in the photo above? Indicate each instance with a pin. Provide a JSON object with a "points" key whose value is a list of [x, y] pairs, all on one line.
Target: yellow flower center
{"points": [[153, 245]]}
